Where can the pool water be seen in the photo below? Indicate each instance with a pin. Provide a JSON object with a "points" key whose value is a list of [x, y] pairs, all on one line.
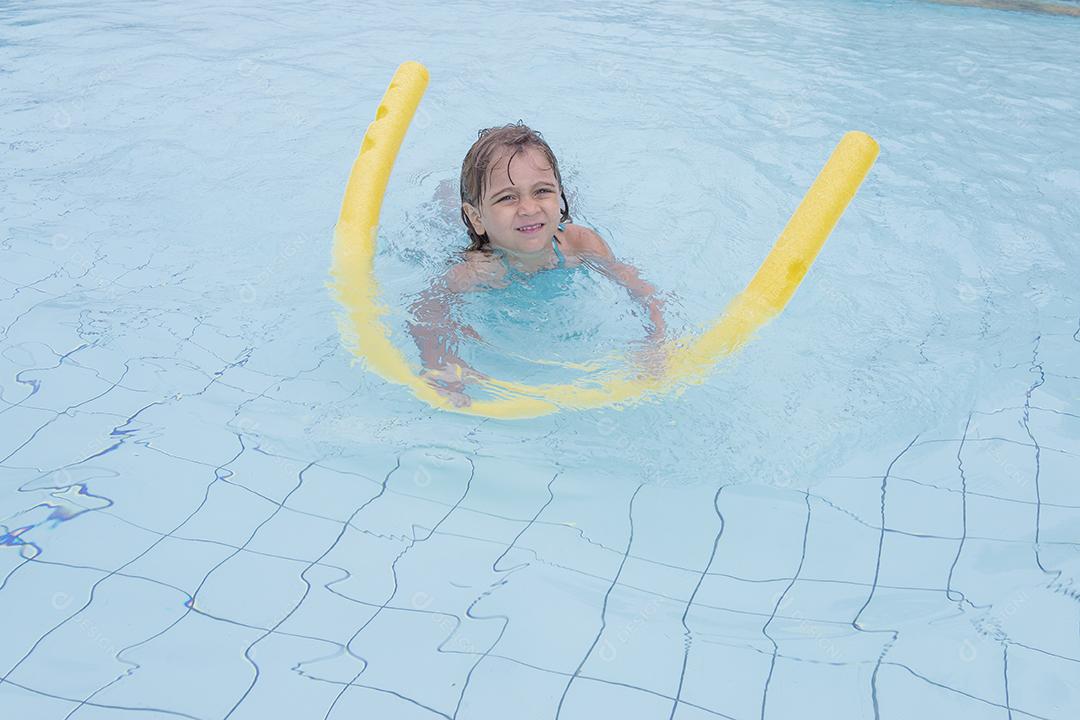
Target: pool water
{"points": [[546, 327], [207, 510]]}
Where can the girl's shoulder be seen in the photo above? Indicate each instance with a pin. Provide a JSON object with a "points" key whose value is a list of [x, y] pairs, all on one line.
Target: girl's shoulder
{"points": [[476, 269], [584, 241]]}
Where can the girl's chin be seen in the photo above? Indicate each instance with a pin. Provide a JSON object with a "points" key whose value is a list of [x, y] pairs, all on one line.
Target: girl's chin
{"points": [[527, 245], [538, 239]]}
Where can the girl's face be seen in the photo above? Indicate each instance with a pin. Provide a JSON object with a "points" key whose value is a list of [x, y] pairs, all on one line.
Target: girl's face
{"points": [[520, 207]]}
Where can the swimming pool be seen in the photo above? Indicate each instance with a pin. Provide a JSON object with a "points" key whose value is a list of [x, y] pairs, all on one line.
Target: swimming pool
{"points": [[207, 511]]}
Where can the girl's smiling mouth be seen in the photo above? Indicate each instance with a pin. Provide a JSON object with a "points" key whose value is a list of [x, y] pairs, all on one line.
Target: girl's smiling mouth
{"points": [[529, 229]]}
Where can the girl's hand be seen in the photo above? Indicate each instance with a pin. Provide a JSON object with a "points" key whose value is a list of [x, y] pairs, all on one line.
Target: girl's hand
{"points": [[449, 381], [651, 358]]}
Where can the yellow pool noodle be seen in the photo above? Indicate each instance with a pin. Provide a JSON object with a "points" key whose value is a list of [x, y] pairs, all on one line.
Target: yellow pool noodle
{"points": [[688, 359]]}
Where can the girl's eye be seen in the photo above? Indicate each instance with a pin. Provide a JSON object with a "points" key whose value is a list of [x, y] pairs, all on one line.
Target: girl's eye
{"points": [[505, 197], [543, 190]]}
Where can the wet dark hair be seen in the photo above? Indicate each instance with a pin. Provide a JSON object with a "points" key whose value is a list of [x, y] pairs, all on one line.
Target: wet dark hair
{"points": [[486, 150]]}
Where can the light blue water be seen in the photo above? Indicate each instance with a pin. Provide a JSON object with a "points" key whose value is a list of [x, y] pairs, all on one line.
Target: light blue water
{"points": [[207, 511]]}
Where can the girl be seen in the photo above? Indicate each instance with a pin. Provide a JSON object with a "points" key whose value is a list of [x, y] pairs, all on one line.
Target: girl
{"points": [[518, 219]]}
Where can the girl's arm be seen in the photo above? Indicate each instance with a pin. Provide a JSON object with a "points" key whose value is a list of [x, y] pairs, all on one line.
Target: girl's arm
{"points": [[436, 334], [595, 251], [433, 328]]}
